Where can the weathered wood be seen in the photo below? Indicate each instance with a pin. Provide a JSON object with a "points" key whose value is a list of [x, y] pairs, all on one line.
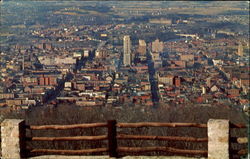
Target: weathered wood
{"points": [[164, 149], [242, 152], [121, 125], [240, 140], [62, 127], [232, 125], [90, 138], [169, 138], [112, 141], [156, 124], [69, 152]]}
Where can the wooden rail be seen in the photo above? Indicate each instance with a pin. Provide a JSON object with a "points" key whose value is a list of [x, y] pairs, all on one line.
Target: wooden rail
{"points": [[169, 138], [239, 152], [239, 140], [242, 140], [232, 125], [163, 149], [242, 152], [70, 152], [63, 127], [155, 124], [89, 138]]}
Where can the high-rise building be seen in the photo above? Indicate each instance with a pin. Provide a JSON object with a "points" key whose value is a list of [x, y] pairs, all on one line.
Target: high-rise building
{"points": [[126, 51], [142, 47], [157, 46], [240, 50]]}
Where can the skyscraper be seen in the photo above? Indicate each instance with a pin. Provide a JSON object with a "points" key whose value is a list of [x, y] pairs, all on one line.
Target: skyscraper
{"points": [[157, 46], [126, 51], [240, 50], [142, 47]]}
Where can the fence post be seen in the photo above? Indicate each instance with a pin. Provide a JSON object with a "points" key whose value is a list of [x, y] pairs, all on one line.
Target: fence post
{"points": [[12, 136], [112, 141], [218, 139]]}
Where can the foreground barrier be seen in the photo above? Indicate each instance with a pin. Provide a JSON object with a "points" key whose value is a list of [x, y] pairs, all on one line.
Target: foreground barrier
{"points": [[13, 139]]}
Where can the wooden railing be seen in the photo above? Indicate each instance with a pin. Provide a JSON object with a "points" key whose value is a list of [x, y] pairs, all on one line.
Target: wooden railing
{"points": [[238, 140], [63, 127], [121, 139], [112, 137], [161, 138]]}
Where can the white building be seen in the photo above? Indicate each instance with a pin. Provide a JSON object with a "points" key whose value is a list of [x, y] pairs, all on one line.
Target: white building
{"points": [[126, 50]]}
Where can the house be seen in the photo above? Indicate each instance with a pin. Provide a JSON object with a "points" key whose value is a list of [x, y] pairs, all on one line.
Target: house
{"points": [[233, 92], [166, 79], [7, 95], [214, 88]]}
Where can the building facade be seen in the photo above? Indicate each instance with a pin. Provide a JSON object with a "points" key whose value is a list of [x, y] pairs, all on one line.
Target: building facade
{"points": [[157, 46], [240, 50], [142, 47], [126, 51]]}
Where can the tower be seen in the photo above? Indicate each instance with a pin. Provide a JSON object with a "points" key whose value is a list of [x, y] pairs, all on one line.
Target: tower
{"points": [[126, 51], [142, 47], [240, 50]]}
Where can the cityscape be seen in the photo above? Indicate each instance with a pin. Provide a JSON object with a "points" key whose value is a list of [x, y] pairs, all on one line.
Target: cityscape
{"points": [[149, 56]]}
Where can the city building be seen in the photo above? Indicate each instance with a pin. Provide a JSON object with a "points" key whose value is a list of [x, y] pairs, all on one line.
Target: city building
{"points": [[157, 46], [126, 51], [142, 47], [240, 50], [161, 21]]}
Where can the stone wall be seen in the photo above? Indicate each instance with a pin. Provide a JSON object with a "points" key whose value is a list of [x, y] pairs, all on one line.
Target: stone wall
{"points": [[218, 139], [12, 136]]}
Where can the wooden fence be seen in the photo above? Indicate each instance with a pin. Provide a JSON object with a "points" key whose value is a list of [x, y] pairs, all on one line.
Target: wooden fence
{"points": [[239, 141], [112, 137]]}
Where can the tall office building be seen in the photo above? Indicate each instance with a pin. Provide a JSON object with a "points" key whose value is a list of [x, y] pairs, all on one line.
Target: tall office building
{"points": [[126, 51], [157, 46], [240, 50], [142, 47]]}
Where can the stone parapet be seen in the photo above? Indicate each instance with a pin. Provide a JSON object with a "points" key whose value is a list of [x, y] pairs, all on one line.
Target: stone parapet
{"points": [[12, 136], [218, 139]]}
